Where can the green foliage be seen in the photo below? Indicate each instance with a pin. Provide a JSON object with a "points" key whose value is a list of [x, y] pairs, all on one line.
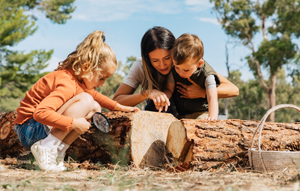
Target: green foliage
{"points": [[277, 21], [19, 71], [273, 53], [251, 104]]}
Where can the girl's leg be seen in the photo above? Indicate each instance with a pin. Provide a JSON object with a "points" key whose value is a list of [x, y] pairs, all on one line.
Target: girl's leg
{"points": [[82, 105], [47, 151]]}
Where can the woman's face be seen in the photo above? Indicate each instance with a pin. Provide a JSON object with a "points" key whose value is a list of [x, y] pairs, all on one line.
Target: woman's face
{"points": [[161, 60]]}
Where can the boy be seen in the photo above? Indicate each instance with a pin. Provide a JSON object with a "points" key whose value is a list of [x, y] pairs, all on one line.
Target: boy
{"points": [[190, 68]]}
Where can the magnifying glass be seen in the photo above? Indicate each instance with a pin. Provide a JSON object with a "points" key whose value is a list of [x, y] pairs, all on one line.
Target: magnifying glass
{"points": [[100, 122]]}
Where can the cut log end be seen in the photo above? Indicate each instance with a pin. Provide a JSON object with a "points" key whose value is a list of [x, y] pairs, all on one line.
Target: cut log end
{"points": [[148, 137], [5, 129], [177, 142]]}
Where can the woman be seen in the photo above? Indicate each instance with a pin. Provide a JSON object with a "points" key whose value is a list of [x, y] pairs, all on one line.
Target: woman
{"points": [[151, 72]]}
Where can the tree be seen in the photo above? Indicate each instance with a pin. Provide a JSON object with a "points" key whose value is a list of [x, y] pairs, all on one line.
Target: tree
{"points": [[245, 19], [18, 70], [251, 102]]}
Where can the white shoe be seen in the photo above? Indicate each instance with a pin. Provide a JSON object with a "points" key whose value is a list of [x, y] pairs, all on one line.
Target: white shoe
{"points": [[46, 158], [60, 163]]}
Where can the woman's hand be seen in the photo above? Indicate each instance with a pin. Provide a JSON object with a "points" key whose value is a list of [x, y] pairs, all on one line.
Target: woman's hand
{"points": [[120, 107], [191, 91], [161, 108], [160, 100]]}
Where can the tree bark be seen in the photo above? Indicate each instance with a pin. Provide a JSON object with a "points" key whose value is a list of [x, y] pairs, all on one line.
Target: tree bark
{"points": [[272, 97], [208, 144], [144, 137], [134, 137], [93, 145]]}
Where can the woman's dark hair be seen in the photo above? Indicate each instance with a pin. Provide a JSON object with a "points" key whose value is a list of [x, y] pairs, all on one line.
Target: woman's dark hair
{"points": [[155, 38]]}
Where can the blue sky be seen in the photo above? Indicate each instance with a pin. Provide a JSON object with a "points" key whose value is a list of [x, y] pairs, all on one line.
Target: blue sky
{"points": [[125, 22]]}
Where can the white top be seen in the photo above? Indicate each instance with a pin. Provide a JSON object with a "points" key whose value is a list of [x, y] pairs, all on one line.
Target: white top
{"points": [[135, 75], [210, 82]]}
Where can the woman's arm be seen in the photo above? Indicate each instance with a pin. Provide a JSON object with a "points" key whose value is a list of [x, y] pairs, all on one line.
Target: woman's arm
{"points": [[225, 90], [125, 96]]}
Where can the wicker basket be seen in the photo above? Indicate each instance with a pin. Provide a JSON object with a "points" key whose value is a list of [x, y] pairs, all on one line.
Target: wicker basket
{"points": [[272, 161]]}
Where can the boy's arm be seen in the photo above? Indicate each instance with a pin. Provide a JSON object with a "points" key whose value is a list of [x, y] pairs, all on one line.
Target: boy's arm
{"points": [[213, 106]]}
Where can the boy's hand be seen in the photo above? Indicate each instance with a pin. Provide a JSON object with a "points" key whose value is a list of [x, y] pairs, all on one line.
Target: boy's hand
{"points": [[120, 107], [191, 91], [81, 125], [211, 118]]}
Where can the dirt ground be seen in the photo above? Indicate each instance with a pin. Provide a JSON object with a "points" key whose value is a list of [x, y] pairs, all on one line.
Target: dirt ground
{"points": [[25, 175]]}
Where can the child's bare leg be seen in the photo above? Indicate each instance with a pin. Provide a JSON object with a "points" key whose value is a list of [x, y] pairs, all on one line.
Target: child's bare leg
{"points": [[73, 135], [82, 105]]}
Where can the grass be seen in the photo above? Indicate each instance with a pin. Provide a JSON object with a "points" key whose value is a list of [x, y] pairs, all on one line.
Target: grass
{"points": [[25, 175]]}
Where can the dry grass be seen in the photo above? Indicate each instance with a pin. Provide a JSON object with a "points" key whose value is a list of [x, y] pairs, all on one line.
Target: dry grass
{"points": [[24, 175]]}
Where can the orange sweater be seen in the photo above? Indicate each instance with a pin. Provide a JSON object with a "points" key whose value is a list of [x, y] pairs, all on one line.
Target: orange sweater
{"points": [[51, 92]]}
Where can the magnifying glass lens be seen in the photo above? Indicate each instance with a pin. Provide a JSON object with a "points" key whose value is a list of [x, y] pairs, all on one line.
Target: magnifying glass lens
{"points": [[101, 122]]}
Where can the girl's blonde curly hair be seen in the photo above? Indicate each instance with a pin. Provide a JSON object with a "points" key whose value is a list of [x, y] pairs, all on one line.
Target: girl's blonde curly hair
{"points": [[90, 56]]}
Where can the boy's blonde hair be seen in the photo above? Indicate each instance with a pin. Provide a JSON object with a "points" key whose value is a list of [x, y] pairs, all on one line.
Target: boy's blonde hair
{"points": [[187, 47], [90, 55]]}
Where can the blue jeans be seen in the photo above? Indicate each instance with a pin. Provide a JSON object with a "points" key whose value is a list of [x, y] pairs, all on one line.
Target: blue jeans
{"points": [[30, 132]]}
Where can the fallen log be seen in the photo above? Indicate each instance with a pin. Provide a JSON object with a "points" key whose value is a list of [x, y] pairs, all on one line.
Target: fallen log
{"points": [[134, 137], [207, 144], [142, 138]]}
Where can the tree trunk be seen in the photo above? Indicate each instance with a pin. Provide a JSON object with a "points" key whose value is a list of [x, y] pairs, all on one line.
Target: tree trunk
{"points": [[93, 145], [134, 137], [211, 144], [9, 142], [142, 138], [272, 98]]}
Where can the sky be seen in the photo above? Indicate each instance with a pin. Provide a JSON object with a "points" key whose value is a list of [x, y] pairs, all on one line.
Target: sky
{"points": [[125, 22]]}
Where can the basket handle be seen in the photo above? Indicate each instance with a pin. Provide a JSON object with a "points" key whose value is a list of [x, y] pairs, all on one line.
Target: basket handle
{"points": [[262, 121], [260, 127]]}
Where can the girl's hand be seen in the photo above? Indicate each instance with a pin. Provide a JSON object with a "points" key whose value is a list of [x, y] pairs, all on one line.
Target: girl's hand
{"points": [[160, 100], [120, 107], [81, 125], [191, 91]]}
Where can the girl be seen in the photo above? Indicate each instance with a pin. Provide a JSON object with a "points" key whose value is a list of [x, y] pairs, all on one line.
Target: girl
{"points": [[151, 72], [55, 110]]}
